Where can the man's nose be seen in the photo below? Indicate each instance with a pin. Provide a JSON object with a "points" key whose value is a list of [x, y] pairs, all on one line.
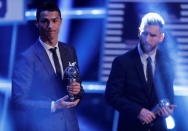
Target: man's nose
{"points": [[50, 25], [148, 37]]}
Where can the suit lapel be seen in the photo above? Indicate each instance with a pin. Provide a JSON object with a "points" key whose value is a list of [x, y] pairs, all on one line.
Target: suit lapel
{"points": [[140, 71], [64, 56], [139, 67], [42, 55]]}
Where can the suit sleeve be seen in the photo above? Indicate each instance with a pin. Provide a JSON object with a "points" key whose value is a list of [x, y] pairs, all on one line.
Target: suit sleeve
{"points": [[114, 91], [21, 84]]}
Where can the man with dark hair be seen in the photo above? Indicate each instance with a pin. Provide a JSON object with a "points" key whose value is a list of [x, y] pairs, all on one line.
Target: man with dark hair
{"points": [[40, 86], [140, 79], [49, 7]]}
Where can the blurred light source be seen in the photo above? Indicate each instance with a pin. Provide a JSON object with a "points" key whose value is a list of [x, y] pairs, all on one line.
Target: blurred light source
{"points": [[170, 122], [64, 5], [93, 87], [30, 13], [1, 4], [78, 12], [73, 13], [180, 90], [95, 12], [5, 86]]}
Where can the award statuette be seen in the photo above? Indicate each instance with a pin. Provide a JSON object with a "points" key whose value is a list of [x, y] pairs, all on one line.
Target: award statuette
{"points": [[163, 103], [72, 73]]}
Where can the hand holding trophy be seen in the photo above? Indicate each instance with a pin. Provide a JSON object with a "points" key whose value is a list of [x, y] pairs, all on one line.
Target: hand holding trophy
{"points": [[162, 103], [72, 73]]}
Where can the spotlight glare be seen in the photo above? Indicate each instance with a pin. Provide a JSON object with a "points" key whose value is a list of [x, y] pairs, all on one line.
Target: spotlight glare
{"points": [[79, 12], [170, 122], [95, 12], [31, 13]]}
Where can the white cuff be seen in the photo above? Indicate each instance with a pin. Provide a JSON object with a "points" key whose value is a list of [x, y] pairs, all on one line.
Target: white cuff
{"points": [[53, 109]]}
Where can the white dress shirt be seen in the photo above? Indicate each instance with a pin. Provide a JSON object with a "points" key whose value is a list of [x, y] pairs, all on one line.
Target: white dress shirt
{"points": [[144, 57], [50, 55]]}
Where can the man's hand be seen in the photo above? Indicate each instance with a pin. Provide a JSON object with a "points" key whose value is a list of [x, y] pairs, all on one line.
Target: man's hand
{"points": [[74, 88], [146, 116], [63, 104], [166, 111]]}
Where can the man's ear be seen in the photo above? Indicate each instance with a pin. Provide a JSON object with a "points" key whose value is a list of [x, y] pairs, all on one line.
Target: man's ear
{"points": [[162, 37]]}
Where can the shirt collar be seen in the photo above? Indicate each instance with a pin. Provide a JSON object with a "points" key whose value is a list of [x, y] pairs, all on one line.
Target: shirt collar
{"points": [[46, 47], [144, 56]]}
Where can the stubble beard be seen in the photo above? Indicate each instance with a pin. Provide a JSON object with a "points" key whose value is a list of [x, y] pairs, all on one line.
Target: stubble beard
{"points": [[146, 47]]}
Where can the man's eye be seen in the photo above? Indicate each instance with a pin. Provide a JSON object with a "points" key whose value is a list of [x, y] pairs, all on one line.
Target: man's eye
{"points": [[145, 33], [43, 21], [152, 35], [56, 20]]}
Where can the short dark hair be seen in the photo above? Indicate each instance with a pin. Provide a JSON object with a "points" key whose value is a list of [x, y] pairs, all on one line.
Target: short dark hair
{"points": [[50, 6]]}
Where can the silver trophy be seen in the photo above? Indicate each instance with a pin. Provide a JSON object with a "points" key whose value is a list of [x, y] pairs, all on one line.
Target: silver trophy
{"points": [[162, 103], [72, 73]]}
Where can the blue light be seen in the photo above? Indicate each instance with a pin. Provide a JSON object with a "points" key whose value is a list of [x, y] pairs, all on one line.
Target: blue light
{"points": [[12, 51], [79, 13], [170, 122], [180, 90], [64, 29], [93, 87], [5, 86]]}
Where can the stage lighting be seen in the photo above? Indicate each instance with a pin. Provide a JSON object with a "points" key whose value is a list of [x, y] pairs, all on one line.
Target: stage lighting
{"points": [[170, 122]]}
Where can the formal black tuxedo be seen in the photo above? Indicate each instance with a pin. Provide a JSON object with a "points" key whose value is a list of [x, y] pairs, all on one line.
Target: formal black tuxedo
{"points": [[127, 90], [35, 86]]}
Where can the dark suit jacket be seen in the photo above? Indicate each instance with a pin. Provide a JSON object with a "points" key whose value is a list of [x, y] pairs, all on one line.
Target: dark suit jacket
{"points": [[127, 90], [35, 86]]}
